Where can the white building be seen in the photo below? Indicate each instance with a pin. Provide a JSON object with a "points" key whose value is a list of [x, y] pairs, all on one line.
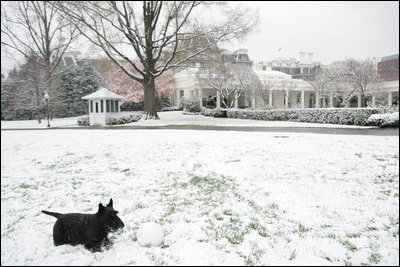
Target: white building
{"points": [[103, 104], [281, 89]]}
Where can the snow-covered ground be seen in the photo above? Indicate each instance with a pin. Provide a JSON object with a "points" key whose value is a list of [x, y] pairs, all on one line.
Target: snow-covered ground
{"points": [[177, 118], [222, 198]]}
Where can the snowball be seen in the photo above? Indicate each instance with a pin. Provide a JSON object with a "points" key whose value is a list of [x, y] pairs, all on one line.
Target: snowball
{"points": [[150, 235]]}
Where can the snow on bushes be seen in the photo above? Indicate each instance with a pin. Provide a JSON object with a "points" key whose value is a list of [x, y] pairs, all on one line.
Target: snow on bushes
{"points": [[120, 118], [348, 116], [384, 120], [171, 109], [83, 121], [191, 105], [216, 112]]}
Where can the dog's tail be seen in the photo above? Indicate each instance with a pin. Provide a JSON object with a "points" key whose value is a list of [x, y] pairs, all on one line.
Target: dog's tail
{"points": [[55, 214]]}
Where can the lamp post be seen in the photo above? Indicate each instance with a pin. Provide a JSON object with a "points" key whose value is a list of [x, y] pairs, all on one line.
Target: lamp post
{"points": [[46, 98]]}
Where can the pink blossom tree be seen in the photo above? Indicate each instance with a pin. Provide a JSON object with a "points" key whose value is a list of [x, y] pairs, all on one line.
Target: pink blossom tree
{"points": [[120, 83]]}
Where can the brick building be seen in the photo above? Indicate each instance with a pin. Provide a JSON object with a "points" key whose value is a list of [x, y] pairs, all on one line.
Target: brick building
{"points": [[388, 68]]}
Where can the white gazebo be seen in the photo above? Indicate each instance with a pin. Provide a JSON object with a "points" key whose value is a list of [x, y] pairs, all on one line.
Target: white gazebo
{"points": [[103, 104]]}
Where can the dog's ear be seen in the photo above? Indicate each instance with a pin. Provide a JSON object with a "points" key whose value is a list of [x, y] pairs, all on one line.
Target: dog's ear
{"points": [[101, 209], [111, 203]]}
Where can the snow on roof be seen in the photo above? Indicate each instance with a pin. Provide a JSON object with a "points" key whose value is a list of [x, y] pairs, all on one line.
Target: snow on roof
{"points": [[272, 74], [103, 93]]}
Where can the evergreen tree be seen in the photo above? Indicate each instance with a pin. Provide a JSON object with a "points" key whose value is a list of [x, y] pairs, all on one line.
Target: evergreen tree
{"points": [[77, 82]]}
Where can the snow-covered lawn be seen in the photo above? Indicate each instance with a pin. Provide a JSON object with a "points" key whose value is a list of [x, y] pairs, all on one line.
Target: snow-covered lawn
{"points": [[222, 198]]}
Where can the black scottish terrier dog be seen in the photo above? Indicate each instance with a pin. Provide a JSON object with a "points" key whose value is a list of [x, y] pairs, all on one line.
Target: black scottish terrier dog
{"points": [[90, 230]]}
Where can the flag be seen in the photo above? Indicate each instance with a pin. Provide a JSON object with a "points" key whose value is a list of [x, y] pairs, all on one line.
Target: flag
{"points": [[279, 49]]}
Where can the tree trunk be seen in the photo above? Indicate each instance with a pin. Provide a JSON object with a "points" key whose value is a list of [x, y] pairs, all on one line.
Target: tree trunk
{"points": [[39, 119], [150, 112]]}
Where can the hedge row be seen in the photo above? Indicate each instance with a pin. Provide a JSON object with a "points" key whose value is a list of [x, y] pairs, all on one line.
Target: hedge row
{"points": [[349, 116], [384, 120], [171, 109], [115, 120], [215, 112]]}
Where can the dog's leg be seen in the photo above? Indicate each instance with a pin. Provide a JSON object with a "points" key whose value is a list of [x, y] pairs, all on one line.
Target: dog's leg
{"points": [[58, 234], [94, 247]]}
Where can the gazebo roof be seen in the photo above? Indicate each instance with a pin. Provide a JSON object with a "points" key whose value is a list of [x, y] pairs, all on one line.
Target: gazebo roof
{"points": [[103, 93]]}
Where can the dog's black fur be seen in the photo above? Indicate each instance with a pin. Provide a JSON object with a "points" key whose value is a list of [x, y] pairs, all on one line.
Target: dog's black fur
{"points": [[90, 230]]}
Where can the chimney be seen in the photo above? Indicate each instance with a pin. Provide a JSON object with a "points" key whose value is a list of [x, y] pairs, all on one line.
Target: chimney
{"points": [[310, 56], [302, 56]]}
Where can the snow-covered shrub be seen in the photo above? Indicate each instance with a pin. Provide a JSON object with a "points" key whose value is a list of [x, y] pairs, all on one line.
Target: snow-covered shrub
{"points": [[83, 121], [122, 118], [171, 109], [215, 112], [181, 103], [384, 120], [349, 116], [191, 105]]}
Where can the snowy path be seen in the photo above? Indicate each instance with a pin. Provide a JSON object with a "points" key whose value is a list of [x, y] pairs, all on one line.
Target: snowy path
{"points": [[223, 198]]}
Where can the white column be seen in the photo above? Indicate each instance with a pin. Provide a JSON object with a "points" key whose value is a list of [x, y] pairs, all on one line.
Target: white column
{"points": [[236, 101], [317, 99], [270, 98], [331, 100], [302, 98], [253, 102], [359, 101], [200, 95], [286, 98], [218, 100], [390, 98], [373, 100]]}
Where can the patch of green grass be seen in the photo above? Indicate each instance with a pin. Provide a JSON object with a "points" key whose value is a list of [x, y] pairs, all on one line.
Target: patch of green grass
{"points": [[292, 255], [139, 206], [235, 238], [227, 212], [249, 260], [350, 246], [232, 161], [51, 166], [254, 225], [218, 217], [24, 186], [347, 263], [327, 258], [303, 229], [273, 206], [374, 258], [331, 235], [371, 228], [386, 192], [353, 235]]}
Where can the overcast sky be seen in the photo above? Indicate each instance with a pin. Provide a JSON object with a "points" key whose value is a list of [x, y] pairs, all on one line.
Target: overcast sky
{"points": [[332, 30]]}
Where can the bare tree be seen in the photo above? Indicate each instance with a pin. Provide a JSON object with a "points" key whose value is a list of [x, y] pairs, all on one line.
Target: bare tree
{"points": [[362, 75], [286, 86], [321, 82], [220, 76], [249, 83], [150, 30], [265, 90], [34, 30]]}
